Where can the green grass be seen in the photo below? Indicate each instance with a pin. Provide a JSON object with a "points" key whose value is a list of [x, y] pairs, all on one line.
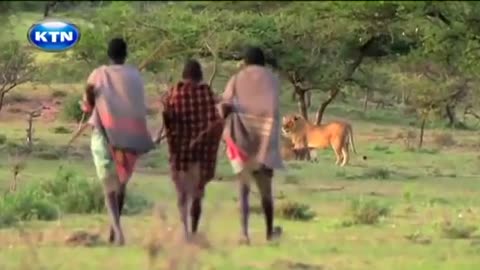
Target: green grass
{"points": [[422, 189]]}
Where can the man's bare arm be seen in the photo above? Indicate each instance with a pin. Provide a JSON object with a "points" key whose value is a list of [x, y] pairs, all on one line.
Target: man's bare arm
{"points": [[88, 102]]}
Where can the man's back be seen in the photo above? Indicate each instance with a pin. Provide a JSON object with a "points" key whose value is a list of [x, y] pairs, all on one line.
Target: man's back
{"points": [[121, 86], [120, 107]]}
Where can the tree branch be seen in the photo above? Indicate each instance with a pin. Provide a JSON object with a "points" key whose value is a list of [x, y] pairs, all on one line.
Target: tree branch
{"points": [[214, 72]]}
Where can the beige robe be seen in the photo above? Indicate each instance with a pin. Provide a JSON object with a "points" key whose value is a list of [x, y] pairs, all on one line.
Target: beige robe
{"points": [[254, 124]]}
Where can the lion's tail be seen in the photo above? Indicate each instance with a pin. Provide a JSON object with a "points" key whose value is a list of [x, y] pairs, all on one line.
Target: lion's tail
{"points": [[350, 137]]}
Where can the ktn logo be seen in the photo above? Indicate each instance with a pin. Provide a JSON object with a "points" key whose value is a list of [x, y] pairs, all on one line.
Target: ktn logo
{"points": [[53, 35]]}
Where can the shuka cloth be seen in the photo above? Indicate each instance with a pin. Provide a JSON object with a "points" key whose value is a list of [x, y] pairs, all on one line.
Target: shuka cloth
{"points": [[120, 108], [237, 157], [113, 167], [253, 126], [119, 119], [189, 109]]}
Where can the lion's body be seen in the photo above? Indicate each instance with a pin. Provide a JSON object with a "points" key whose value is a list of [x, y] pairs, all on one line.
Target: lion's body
{"points": [[337, 134], [288, 149]]}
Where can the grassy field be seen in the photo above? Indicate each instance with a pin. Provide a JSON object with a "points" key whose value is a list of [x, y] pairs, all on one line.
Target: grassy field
{"points": [[428, 203], [424, 205]]}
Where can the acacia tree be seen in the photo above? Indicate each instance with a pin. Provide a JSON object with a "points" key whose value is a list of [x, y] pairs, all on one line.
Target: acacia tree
{"points": [[154, 36], [433, 88], [449, 36], [373, 81], [322, 52], [16, 67]]}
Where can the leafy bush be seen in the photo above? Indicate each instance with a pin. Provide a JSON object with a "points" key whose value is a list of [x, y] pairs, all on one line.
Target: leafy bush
{"points": [[61, 130], [371, 173], [377, 173], [457, 230], [295, 211], [24, 205], [68, 192], [74, 194], [367, 211], [135, 203], [71, 110], [59, 94], [3, 139]]}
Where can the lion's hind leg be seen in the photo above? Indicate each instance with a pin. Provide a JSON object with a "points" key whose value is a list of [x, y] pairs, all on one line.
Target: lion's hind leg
{"points": [[345, 155], [313, 154], [338, 154]]}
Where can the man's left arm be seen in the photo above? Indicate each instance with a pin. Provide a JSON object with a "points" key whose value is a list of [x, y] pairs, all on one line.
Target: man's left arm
{"points": [[88, 102], [164, 113]]}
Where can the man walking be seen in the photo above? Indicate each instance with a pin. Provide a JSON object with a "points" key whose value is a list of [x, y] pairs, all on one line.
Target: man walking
{"points": [[189, 111], [115, 97], [252, 133]]}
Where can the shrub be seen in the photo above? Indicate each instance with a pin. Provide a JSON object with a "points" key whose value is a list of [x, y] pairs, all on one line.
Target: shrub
{"points": [[71, 110], [3, 139], [24, 205], [59, 94], [135, 204], [457, 230], [295, 211], [367, 212], [61, 130], [68, 192], [381, 148], [74, 194], [377, 173]]}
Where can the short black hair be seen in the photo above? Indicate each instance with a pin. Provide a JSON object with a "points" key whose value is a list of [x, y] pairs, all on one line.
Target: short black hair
{"points": [[254, 56], [192, 70], [117, 49]]}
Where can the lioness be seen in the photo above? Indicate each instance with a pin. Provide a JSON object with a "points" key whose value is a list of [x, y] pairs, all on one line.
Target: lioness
{"points": [[337, 134]]}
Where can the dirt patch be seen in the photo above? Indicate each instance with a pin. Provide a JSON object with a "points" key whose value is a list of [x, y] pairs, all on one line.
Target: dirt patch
{"points": [[17, 110], [291, 265], [84, 238]]}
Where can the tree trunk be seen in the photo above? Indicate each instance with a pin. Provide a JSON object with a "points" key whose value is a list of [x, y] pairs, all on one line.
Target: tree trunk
{"points": [[333, 93], [365, 100], [323, 106], [294, 96], [2, 99], [304, 154], [48, 8], [450, 112], [422, 131], [302, 103], [308, 99], [30, 132]]}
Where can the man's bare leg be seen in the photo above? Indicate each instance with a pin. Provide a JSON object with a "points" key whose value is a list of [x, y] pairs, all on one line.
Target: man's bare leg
{"points": [[263, 179], [182, 203], [244, 208], [111, 201], [121, 202], [195, 213]]}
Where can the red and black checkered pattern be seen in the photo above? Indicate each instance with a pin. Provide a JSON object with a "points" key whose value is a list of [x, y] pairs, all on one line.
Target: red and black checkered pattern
{"points": [[189, 110]]}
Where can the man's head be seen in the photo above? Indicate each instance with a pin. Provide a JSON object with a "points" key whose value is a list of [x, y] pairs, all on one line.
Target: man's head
{"points": [[192, 71], [117, 50], [254, 56]]}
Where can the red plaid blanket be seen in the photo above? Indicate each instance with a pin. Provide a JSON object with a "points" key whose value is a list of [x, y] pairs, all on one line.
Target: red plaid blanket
{"points": [[189, 110]]}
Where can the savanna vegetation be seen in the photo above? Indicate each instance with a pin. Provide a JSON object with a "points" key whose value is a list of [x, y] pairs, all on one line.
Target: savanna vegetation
{"points": [[404, 74]]}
